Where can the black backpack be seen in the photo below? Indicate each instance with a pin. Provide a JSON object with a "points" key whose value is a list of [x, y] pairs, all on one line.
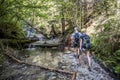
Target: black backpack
{"points": [[76, 37], [86, 41]]}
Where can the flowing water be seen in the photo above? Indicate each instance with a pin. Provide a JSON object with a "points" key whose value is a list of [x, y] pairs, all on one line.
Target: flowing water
{"points": [[50, 58]]}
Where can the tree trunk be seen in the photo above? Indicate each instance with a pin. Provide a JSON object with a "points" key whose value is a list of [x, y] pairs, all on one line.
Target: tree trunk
{"points": [[81, 14], [63, 22], [53, 30], [106, 10], [84, 12]]}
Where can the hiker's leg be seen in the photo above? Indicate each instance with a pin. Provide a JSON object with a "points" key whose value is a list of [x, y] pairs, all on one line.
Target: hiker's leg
{"points": [[80, 56], [76, 50], [74, 47], [88, 57]]}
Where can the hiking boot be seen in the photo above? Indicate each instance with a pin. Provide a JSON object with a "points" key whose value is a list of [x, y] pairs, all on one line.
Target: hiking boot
{"points": [[78, 64], [74, 55], [89, 68], [77, 56]]}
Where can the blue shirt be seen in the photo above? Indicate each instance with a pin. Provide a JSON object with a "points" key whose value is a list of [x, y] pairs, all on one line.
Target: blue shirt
{"points": [[73, 34]]}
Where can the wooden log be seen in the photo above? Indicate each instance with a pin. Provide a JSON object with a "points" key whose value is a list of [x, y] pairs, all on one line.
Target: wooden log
{"points": [[12, 57], [45, 45]]}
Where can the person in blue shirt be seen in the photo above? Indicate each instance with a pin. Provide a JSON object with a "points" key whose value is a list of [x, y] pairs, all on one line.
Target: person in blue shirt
{"points": [[76, 42], [80, 45], [85, 48]]}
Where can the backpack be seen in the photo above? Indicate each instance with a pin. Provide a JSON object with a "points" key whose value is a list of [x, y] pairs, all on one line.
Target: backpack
{"points": [[76, 37], [86, 41]]}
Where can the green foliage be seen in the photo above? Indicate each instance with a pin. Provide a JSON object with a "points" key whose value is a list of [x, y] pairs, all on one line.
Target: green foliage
{"points": [[12, 11], [117, 69], [105, 6], [11, 30], [106, 43], [105, 38], [117, 60], [117, 53]]}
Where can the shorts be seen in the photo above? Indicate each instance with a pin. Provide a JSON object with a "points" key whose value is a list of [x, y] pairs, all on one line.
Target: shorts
{"points": [[88, 46], [75, 44]]}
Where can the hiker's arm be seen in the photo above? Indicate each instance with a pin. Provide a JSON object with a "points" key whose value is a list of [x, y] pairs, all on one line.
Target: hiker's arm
{"points": [[71, 39]]}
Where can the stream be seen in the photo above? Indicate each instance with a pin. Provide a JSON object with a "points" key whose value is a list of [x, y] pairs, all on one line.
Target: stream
{"points": [[50, 58]]}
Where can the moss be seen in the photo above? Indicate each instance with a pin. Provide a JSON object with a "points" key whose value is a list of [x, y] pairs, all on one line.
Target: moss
{"points": [[106, 44]]}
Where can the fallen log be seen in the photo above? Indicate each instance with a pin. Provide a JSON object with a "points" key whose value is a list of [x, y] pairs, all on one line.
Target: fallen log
{"points": [[45, 43], [22, 62], [42, 45]]}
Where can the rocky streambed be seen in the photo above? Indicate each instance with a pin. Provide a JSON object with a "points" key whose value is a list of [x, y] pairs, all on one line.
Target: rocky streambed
{"points": [[50, 58]]}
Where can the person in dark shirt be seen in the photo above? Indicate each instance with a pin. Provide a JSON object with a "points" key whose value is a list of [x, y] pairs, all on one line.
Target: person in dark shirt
{"points": [[85, 48], [75, 41]]}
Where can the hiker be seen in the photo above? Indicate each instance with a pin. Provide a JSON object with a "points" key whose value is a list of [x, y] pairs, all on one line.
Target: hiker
{"points": [[86, 45], [75, 40]]}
